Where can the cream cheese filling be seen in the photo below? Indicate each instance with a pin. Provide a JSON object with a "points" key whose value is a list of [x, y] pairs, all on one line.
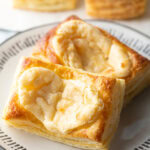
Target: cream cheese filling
{"points": [[81, 45], [58, 103]]}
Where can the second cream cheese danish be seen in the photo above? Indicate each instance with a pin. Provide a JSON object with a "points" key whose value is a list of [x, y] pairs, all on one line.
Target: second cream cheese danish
{"points": [[80, 45]]}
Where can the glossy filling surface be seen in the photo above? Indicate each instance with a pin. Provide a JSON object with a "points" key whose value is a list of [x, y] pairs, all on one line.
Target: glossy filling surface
{"points": [[60, 104], [81, 45]]}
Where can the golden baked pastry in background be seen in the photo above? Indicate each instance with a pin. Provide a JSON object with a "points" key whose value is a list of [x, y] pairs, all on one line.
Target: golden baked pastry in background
{"points": [[76, 44], [115, 9], [45, 5], [107, 9], [65, 105]]}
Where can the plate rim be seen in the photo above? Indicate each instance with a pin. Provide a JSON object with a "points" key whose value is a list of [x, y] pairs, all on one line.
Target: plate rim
{"points": [[54, 23]]}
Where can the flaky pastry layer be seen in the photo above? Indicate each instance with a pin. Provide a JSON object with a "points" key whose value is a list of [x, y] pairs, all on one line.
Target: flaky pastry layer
{"points": [[119, 9], [45, 5]]}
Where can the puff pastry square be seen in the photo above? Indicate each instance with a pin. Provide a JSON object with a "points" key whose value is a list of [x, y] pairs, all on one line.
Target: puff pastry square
{"points": [[115, 9], [45, 5], [76, 44], [65, 105]]}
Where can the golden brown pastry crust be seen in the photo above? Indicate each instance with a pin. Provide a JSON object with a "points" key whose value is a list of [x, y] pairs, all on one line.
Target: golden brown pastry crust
{"points": [[44, 5], [140, 65], [16, 115], [119, 9]]}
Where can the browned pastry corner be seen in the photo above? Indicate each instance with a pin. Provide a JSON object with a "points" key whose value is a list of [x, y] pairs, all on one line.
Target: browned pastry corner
{"points": [[115, 9], [76, 44], [45, 5], [65, 105]]}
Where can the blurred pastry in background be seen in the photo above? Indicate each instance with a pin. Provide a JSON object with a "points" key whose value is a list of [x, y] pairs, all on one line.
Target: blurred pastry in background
{"points": [[45, 5], [115, 9]]}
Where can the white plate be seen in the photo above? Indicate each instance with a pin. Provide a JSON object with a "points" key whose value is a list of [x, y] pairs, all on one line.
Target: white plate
{"points": [[134, 128]]}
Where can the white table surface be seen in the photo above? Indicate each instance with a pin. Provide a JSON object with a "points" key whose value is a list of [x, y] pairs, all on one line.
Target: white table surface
{"points": [[20, 20]]}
